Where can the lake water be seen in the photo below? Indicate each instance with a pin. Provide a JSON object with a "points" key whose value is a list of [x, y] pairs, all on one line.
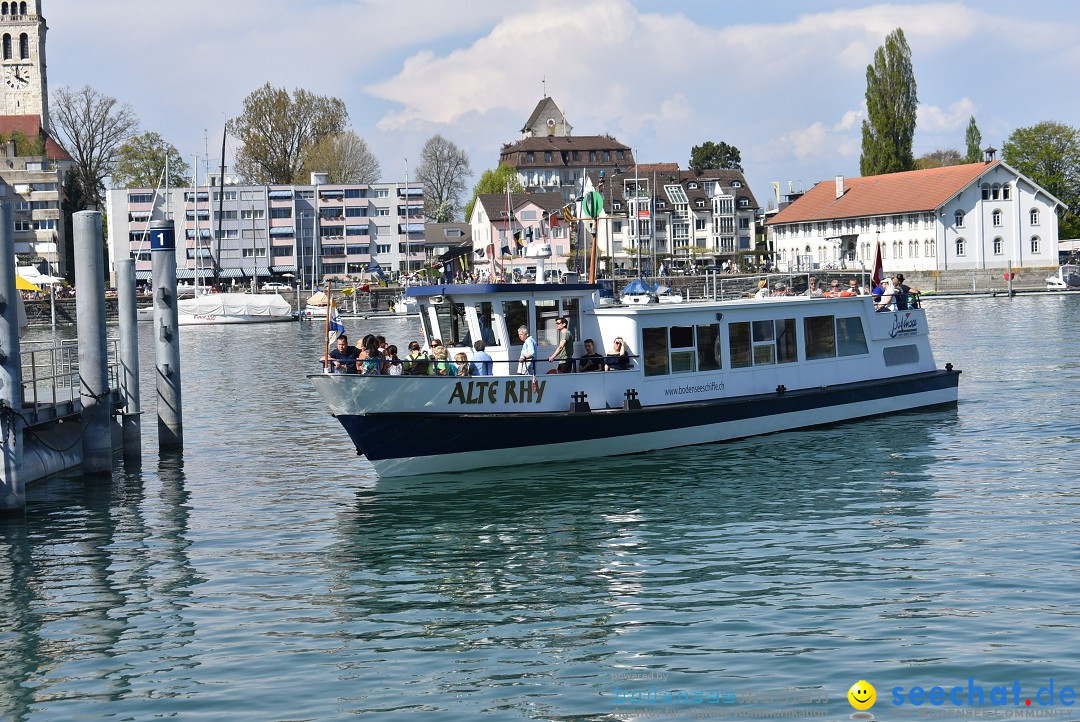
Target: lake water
{"points": [[266, 574]]}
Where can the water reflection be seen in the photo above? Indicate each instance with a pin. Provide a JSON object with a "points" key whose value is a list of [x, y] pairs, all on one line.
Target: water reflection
{"points": [[88, 582], [571, 560]]}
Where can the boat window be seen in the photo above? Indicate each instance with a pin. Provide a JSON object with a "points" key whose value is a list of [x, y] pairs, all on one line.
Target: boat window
{"points": [[654, 351], [570, 308], [547, 310], [452, 330], [484, 314], [425, 323], [683, 351], [739, 344], [764, 342], [787, 349], [899, 355], [820, 337], [850, 340], [708, 347], [516, 315]]}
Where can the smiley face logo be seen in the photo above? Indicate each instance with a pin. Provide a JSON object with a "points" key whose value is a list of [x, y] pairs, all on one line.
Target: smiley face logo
{"points": [[862, 695]]}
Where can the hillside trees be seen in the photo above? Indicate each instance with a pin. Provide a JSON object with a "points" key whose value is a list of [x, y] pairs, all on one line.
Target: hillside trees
{"points": [[1049, 154]]}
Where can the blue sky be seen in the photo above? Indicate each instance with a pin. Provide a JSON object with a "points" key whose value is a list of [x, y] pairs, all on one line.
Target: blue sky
{"points": [[783, 81]]}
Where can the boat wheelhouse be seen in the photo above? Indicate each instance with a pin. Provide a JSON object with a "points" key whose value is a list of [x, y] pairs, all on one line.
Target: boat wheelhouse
{"points": [[698, 372]]}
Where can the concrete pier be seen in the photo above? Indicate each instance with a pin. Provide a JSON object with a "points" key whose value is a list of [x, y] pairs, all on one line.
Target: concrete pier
{"points": [[166, 335], [131, 420], [93, 355], [12, 482]]}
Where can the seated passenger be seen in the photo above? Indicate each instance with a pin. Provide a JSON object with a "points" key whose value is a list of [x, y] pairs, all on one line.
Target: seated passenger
{"points": [[462, 366], [343, 357], [441, 366], [853, 288], [416, 363], [391, 362], [619, 358], [370, 363], [481, 361], [814, 289], [762, 289], [590, 360], [887, 303]]}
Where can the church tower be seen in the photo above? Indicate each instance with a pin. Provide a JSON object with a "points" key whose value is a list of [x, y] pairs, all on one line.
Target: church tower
{"points": [[22, 61]]}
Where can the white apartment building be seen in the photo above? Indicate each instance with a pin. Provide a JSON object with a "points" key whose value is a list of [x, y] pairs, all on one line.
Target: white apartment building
{"points": [[971, 216], [307, 232]]}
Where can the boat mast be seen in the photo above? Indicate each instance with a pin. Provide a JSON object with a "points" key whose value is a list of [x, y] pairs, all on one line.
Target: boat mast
{"points": [[407, 235], [215, 249], [198, 240]]}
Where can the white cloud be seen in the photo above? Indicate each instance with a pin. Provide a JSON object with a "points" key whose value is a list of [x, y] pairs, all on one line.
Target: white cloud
{"points": [[933, 119]]}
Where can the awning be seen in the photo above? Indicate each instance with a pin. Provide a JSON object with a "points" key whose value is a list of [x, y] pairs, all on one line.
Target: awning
{"points": [[410, 228], [283, 269], [203, 233], [282, 231], [332, 193], [410, 191], [280, 195], [185, 273], [241, 272], [143, 275]]}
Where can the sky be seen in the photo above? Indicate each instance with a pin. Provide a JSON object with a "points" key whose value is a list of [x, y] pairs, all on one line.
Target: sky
{"points": [[782, 80]]}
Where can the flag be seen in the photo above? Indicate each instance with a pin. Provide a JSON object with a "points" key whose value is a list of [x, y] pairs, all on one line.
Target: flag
{"points": [[554, 221], [568, 213], [505, 250], [879, 273], [479, 252], [335, 326]]}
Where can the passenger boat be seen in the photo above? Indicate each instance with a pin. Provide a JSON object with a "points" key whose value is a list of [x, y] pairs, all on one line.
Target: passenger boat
{"points": [[698, 372], [1067, 278]]}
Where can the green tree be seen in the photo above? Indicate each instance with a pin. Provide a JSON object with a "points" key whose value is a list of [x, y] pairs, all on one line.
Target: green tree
{"points": [[891, 104], [974, 142], [494, 181], [344, 157], [715, 156], [92, 127], [278, 129], [939, 159], [141, 160], [1049, 154], [442, 213], [443, 168], [24, 145]]}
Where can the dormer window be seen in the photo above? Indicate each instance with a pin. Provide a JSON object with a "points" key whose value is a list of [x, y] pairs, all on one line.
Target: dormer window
{"points": [[692, 185], [736, 184]]}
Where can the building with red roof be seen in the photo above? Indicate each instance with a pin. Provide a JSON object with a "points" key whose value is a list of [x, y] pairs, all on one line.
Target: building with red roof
{"points": [[971, 216]]}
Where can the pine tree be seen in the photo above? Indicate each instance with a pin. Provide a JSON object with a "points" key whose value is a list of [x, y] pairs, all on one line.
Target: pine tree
{"points": [[974, 142], [891, 104]]}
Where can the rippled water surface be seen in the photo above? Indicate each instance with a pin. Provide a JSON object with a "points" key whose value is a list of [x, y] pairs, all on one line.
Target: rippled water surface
{"points": [[266, 573]]}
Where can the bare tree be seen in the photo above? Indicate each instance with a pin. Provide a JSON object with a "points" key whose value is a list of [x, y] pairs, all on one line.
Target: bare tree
{"points": [[345, 157], [92, 128], [443, 169]]}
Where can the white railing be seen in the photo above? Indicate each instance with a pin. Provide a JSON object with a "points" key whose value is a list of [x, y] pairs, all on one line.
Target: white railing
{"points": [[50, 374]]}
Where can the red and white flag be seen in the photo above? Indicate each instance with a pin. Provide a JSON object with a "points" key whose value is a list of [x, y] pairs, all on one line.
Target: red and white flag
{"points": [[879, 273]]}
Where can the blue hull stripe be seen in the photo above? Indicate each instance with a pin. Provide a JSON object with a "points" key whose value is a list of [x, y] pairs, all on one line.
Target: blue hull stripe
{"points": [[401, 435]]}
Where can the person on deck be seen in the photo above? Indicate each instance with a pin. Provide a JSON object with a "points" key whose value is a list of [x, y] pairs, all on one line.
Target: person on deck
{"points": [[481, 360], [564, 352], [416, 363], [619, 358], [343, 356], [527, 357], [590, 361]]}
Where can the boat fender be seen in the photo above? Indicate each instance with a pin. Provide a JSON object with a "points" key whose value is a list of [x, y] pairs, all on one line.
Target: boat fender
{"points": [[781, 390]]}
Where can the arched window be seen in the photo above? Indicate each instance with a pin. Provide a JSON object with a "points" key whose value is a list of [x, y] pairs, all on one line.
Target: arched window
{"points": [[1033, 216], [959, 216], [998, 246], [7, 46], [1006, 194], [24, 46], [961, 247], [996, 215], [929, 248], [22, 8], [913, 249], [995, 192], [1034, 244], [3, 9], [986, 191]]}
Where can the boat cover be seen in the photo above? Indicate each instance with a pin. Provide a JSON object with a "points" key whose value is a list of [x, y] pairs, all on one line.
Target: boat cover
{"points": [[236, 304], [637, 286]]}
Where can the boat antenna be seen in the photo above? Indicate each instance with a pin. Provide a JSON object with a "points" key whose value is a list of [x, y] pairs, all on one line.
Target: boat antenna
{"points": [[221, 205]]}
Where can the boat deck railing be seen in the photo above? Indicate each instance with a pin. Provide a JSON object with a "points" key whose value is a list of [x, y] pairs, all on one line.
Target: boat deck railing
{"points": [[51, 382]]}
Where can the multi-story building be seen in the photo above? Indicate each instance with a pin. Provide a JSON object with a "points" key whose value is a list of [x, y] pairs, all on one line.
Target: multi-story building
{"points": [[971, 216], [442, 238], [308, 232], [35, 165], [510, 227], [682, 216], [549, 159]]}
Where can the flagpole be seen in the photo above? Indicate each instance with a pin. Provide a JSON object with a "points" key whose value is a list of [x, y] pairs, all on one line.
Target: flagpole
{"points": [[326, 333]]}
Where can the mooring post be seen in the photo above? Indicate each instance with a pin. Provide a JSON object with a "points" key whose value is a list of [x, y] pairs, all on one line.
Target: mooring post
{"points": [[12, 487], [93, 352], [129, 357], [166, 335]]}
